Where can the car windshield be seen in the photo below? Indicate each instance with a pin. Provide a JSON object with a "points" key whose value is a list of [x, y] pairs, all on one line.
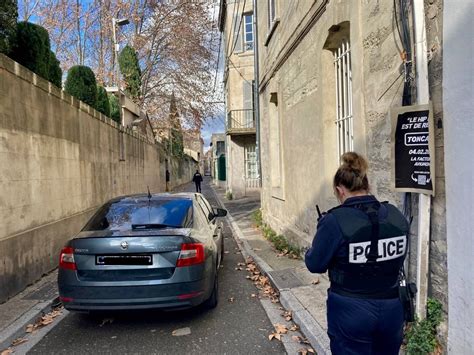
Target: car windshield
{"points": [[138, 214]]}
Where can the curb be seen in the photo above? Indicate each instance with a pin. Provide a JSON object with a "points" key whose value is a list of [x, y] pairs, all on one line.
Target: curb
{"points": [[17, 328], [315, 334]]}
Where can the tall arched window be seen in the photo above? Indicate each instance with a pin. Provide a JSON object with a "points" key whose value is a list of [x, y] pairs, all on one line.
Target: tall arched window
{"points": [[339, 44], [343, 73]]}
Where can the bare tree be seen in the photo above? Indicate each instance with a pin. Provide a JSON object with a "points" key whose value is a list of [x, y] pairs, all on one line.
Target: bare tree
{"points": [[174, 41]]}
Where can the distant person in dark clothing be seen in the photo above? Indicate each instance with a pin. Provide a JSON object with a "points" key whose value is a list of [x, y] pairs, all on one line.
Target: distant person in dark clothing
{"points": [[167, 174], [197, 178]]}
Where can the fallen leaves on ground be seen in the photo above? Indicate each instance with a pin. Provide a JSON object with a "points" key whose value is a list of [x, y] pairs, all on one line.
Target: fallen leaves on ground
{"points": [[294, 328], [231, 299], [274, 335], [280, 329], [19, 341], [287, 315], [181, 331], [299, 339], [44, 320], [260, 281], [7, 352], [306, 351], [315, 282]]}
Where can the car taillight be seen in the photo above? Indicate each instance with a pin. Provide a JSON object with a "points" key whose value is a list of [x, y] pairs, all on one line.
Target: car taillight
{"points": [[66, 259], [191, 254]]}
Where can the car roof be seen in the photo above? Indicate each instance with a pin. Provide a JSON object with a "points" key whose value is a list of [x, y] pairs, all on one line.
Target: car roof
{"points": [[164, 196]]}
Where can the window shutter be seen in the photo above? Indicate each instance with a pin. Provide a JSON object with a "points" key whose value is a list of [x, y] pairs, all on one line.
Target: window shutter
{"points": [[248, 104], [237, 34], [248, 99]]}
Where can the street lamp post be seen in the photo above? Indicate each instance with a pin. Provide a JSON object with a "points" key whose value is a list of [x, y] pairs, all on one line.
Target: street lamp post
{"points": [[115, 23]]}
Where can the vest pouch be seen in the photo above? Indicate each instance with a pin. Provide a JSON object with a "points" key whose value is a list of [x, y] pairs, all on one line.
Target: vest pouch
{"points": [[407, 294]]}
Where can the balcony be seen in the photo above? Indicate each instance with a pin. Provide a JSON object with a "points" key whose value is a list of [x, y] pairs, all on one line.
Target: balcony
{"points": [[241, 122]]}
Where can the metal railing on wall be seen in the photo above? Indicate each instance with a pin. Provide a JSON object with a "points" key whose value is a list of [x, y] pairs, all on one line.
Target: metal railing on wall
{"points": [[241, 119]]}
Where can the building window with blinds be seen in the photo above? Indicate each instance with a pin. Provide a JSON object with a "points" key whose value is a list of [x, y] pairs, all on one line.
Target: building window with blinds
{"points": [[343, 73]]}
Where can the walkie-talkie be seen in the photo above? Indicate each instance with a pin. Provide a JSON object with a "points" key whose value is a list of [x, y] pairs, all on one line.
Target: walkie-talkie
{"points": [[319, 212]]}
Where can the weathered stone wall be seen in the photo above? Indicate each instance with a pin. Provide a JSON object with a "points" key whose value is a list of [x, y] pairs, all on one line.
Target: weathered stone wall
{"points": [[295, 65], [60, 160]]}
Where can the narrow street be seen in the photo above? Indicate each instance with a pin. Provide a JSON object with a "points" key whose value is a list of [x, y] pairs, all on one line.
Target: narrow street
{"points": [[239, 324]]}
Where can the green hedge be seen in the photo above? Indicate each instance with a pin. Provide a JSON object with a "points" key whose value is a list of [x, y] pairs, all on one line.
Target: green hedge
{"points": [[81, 84], [31, 48], [8, 18], [130, 69]]}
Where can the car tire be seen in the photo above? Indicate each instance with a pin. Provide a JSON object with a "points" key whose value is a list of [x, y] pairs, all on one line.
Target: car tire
{"points": [[212, 301]]}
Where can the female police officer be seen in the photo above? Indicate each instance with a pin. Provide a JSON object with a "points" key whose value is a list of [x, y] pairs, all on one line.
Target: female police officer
{"points": [[362, 243]]}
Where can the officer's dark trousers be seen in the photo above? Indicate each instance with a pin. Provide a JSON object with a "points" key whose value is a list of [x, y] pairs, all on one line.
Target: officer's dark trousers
{"points": [[364, 326], [198, 186]]}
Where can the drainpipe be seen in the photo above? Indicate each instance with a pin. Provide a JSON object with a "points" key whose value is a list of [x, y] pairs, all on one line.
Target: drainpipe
{"points": [[256, 95], [424, 201]]}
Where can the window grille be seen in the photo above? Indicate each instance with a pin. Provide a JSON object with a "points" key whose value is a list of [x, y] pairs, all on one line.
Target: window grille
{"points": [[250, 162], [344, 119]]}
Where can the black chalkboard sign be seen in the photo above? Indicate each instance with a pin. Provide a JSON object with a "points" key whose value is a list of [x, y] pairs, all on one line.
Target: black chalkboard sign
{"points": [[412, 147]]}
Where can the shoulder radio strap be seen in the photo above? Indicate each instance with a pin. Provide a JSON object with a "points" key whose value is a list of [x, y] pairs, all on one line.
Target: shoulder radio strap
{"points": [[372, 211]]}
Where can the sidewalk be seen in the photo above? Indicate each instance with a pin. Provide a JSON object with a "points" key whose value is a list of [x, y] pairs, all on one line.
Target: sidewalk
{"points": [[300, 291], [26, 307]]}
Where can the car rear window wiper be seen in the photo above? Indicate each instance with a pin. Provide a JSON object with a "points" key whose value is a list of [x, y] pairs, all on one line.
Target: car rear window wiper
{"points": [[153, 226]]}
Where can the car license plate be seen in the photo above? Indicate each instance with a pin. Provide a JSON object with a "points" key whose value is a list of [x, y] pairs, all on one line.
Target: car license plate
{"points": [[124, 260]]}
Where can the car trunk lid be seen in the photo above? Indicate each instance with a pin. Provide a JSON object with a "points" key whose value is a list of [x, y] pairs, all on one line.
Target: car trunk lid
{"points": [[127, 257]]}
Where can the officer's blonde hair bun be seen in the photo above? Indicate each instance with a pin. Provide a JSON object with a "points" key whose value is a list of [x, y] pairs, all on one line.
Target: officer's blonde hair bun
{"points": [[352, 173], [355, 162]]}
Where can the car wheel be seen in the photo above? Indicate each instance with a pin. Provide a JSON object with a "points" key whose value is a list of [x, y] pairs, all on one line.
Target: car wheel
{"points": [[212, 301]]}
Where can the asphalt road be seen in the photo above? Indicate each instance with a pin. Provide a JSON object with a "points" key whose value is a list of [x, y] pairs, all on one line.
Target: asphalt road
{"points": [[238, 327]]}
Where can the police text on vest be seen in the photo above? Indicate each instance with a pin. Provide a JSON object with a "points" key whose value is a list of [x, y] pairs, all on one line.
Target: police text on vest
{"points": [[388, 249]]}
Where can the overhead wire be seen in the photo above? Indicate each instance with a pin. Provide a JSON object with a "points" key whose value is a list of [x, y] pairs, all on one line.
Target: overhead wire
{"points": [[239, 27], [232, 25]]}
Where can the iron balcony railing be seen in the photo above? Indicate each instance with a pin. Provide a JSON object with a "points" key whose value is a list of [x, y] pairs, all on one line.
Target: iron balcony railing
{"points": [[241, 121]]}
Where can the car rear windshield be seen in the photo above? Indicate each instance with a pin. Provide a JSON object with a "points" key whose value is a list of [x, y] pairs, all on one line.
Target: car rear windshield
{"points": [[141, 214]]}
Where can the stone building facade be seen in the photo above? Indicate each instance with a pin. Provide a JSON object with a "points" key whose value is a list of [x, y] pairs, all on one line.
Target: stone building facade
{"points": [[330, 72], [236, 25]]}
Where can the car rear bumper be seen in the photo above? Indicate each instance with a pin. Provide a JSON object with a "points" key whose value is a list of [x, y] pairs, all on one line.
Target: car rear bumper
{"points": [[91, 298]]}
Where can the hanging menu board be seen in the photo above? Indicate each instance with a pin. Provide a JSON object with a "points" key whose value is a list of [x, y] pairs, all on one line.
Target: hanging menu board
{"points": [[413, 149]]}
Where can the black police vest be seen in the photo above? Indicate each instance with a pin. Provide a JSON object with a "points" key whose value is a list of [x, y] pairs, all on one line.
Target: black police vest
{"points": [[357, 274]]}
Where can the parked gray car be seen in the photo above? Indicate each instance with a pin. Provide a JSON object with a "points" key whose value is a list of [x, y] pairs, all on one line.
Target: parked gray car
{"points": [[144, 251]]}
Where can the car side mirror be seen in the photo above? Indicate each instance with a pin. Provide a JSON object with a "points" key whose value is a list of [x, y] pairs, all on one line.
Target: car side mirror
{"points": [[220, 212]]}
